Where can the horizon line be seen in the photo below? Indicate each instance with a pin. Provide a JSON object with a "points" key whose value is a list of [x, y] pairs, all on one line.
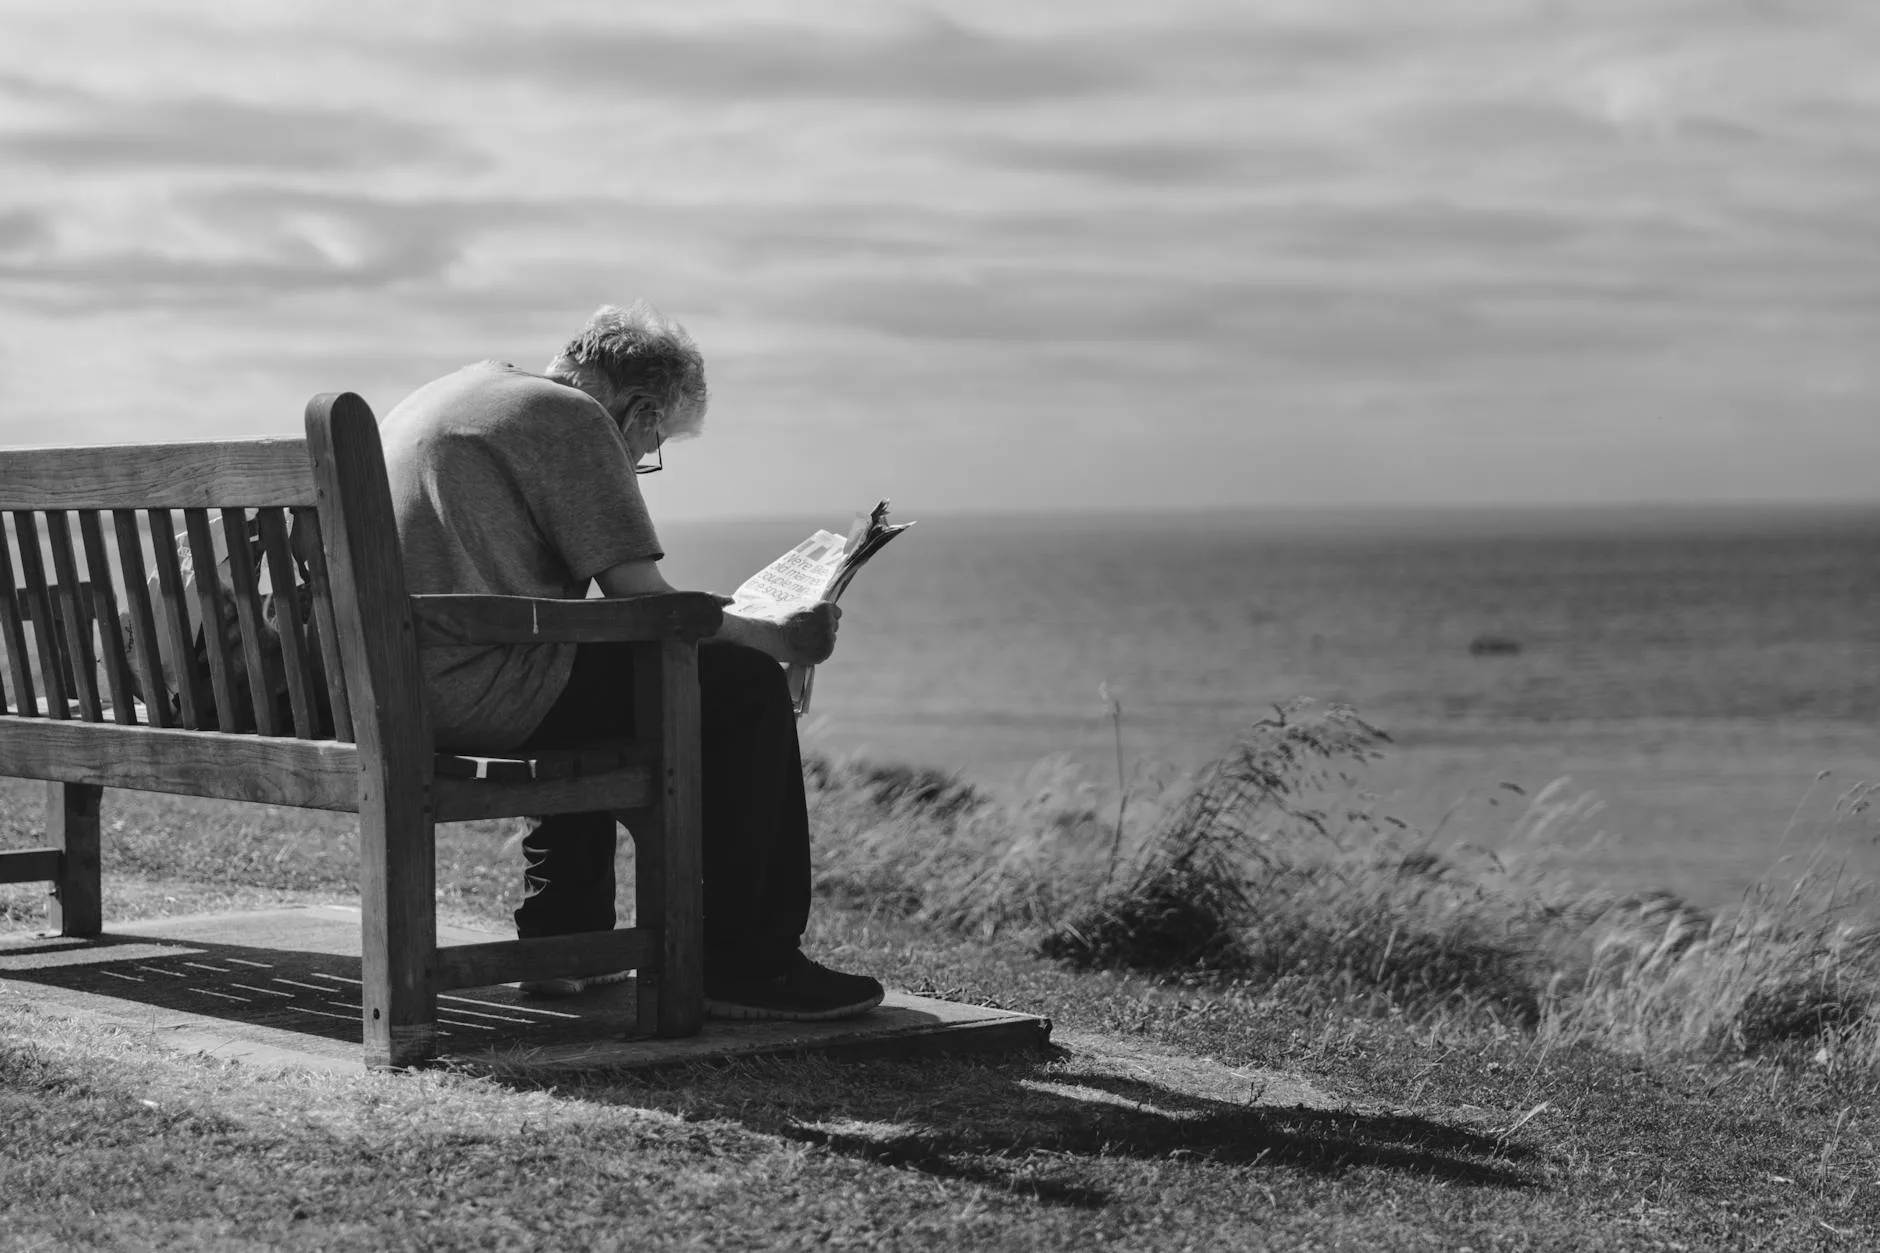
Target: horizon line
{"points": [[1394, 509]]}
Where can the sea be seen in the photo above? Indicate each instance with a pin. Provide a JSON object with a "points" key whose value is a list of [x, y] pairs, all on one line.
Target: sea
{"points": [[1705, 683]]}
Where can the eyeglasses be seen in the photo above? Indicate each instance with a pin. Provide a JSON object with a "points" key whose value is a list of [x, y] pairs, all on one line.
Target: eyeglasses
{"points": [[659, 458]]}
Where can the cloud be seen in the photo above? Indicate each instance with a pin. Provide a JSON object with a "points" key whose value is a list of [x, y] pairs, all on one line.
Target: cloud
{"points": [[268, 242], [1419, 231], [1485, 127], [1049, 222], [32, 90], [23, 230], [932, 60], [220, 134], [1159, 162], [1137, 334]]}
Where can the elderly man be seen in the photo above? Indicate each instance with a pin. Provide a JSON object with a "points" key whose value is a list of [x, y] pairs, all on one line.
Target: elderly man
{"points": [[523, 484]]}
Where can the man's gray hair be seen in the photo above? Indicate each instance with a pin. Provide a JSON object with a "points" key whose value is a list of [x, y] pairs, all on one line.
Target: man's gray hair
{"points": [[638, 351]]}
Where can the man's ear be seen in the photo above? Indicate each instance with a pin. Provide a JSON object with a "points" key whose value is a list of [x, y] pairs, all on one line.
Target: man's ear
{"points": [[638, 409]]}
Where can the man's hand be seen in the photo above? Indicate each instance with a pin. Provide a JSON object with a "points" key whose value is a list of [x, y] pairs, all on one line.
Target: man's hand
{"points": [[808, 636], [804, 638]]}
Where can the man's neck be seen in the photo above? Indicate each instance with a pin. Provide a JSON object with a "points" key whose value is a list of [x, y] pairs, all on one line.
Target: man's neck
{"points": [[603, 396]]}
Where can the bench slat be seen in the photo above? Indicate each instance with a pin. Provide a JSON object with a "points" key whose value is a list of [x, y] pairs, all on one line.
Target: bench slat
{"points": [[282, 578], [81, 665], [311, 774], [143, 621], [38, 602], [176, 619], [545, 763], [544, 957], [162, 476], [24, 698], [208, 580], [463, 800], [31, 865], [117, 665], [325, 626], [444, 621], [244, 576]]}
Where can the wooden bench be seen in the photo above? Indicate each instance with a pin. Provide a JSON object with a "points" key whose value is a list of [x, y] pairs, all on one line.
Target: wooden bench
{"points": [[82, 707]]}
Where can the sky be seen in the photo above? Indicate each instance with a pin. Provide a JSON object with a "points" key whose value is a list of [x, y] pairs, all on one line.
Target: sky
{"points": [[1004, 256]]}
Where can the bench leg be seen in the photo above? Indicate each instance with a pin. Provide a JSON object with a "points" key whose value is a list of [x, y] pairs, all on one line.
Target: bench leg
{"points": [[668, 865], [72, 821], [649, 909], [669, 900], [398, 931]]}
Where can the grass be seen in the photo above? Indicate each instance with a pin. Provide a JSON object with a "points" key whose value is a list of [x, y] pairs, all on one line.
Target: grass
{"points": [[1488, 1055], [1272, 870]]}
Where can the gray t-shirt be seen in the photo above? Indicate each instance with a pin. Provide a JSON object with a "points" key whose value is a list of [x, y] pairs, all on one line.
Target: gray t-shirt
{"points": [[505, 482]]}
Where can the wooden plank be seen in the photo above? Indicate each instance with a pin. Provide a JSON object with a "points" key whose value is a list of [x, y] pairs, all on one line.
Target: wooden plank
{"points": [[682, 996], [647, 826], [245, 587], [56, 590], [25, 700], [313, 551], [310, 774], [158, 476], [670, 884], [30, 865], [74, 618], [397, 839], [904, 1028], [208, 580], [545, 957], [462, 800], [72, 811], [507, 770], [560, 767], [544, 765], [443, 621], [576, 763], [284, 582], [176, 619], [143, 621], [104, 608], [38, 601]]}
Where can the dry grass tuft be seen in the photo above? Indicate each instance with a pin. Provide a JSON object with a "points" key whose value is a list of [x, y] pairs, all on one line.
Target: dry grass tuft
{"points": [[1269, 867]]}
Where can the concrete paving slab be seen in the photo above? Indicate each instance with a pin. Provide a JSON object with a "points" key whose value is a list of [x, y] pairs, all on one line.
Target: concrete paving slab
{"points": [[280, 987]]}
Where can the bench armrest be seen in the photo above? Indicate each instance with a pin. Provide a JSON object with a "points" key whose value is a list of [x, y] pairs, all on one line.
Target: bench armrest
{"points": [[445, 621]]}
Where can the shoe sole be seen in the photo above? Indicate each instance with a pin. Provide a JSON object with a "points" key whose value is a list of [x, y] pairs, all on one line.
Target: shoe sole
{"points": [[734, 1011]]}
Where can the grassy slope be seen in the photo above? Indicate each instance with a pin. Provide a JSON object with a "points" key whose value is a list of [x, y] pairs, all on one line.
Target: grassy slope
{"points": [[111, 1143]]}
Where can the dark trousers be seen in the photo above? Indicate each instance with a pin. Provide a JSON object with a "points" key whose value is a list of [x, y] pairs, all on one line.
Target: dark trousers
{"points": [[756, 822]]}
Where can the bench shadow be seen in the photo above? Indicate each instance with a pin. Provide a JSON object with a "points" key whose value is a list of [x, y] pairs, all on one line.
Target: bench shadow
{"points": [[308, 993], [997, 1122]]}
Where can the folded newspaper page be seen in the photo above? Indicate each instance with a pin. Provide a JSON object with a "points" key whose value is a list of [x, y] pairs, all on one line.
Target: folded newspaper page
{"points": [[818, 569]]}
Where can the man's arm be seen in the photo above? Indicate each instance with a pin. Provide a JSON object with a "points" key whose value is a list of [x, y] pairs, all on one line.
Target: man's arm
{"points": [[805, 638]]}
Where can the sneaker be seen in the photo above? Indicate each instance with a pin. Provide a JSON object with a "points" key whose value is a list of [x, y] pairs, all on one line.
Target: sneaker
{"points": [[807, 992], [557, 989]]}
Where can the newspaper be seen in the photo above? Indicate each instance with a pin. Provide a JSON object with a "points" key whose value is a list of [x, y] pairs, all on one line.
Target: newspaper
{"points": [[800, 577], [818, 569]]}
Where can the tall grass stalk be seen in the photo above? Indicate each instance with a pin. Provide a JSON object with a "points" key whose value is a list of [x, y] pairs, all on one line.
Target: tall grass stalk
{"points": [[1115, 708]]}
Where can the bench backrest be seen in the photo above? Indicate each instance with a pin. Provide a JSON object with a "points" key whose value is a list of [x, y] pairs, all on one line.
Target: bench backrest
{"points": [[104, 589], [247, 587]]}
